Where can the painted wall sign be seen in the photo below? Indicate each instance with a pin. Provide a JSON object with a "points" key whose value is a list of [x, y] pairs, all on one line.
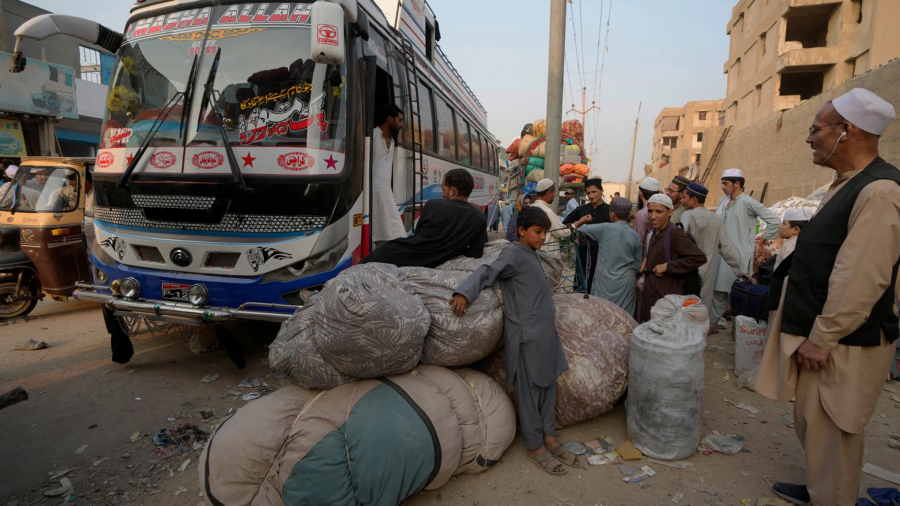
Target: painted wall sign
{"points": [[45, 89]]}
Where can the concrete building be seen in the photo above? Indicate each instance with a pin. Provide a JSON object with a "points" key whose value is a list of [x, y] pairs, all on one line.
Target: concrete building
{"points": [[784, 52], [44, 133], [681, 133]]}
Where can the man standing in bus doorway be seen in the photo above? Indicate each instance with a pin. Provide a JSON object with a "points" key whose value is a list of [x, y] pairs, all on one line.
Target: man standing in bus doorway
{"points": [[386, 221]]}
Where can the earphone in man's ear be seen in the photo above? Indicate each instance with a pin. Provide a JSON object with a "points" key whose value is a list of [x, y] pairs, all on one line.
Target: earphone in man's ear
{"points": [[843, 134]]}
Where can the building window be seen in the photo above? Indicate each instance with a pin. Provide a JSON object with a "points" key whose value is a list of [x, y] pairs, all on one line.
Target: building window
{"points": [[804, 84], [809, 25], [701, 116], [762, 44], [699, 136], [697, 159], [96, 66], [858, 10]]}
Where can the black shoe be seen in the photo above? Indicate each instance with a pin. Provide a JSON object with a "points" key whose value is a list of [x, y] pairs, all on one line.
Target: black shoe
{"points": [[796, 494]]}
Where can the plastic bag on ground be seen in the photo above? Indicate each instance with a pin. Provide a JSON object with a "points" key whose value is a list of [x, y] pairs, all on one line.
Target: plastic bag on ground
{"points": [[748, 379], [369, 324], [749, 343], [665, 395], [552, 265], [595, 335], [723, 444], [294, 353], [455, 341]]}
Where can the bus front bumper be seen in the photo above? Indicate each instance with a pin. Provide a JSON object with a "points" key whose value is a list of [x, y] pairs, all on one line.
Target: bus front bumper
{"points": [[179, 312]]}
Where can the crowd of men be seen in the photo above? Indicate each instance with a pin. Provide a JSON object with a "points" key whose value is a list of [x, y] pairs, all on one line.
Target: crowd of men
{"points": [[832, 330]]}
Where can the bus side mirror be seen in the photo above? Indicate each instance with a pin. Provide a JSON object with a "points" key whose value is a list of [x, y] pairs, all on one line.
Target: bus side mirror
{"points": [[327, 33]]}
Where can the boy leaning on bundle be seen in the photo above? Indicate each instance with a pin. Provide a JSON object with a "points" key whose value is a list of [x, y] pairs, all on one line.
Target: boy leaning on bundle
{"points": [[534, 354]]}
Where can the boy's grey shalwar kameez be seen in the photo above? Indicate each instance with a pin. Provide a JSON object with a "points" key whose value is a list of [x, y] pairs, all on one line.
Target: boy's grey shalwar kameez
{"points": [[534, 354]]}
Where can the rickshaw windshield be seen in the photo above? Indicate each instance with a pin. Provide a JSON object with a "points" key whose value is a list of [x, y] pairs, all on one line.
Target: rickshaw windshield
{"points": [[41, 190]]}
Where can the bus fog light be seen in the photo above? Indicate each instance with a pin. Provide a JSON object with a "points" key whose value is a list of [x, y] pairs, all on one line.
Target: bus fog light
{"points": [[100, 276], [130, 288], [198, 295]]}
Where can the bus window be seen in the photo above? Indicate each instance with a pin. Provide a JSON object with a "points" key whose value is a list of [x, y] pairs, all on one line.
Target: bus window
{"points": [[463, 143], [427, 118], [487, 154], [476, 150], [445, 129]]}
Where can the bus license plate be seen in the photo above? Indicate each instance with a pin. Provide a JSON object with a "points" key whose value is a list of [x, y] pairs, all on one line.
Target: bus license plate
{"points": [[175, 291]]}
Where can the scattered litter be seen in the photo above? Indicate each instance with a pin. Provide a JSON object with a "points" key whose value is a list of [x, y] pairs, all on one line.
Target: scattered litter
{"points": [[881, 473], [196, 445], [126, 455], [64, 489], [677, 497], [81, 449], [250, 383], [677, 464], [576, 448], [231, 393], [92, 427], [180, 491], [724, 379], [60, 474], [137, 398], [604, 459], [600, 445], [251, 396], [639, 475], [737, 437], [894, 444], [135, 436], [100, 461], [717, 365], [31, 345], [722, 444], [184, 466], [712, 492], [181, 439], [107, 372], [278, 375], [744, 406], [628, 452], [162, 438], [748, 379], [625, 470], [209, 378], [207, 414]]}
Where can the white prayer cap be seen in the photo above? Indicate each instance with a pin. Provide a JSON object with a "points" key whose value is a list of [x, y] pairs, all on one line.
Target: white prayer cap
{"points": [[651, 184], [544, 184], [11, 171], [803, 214], [732, 173], [659, 198], [865, 109]]}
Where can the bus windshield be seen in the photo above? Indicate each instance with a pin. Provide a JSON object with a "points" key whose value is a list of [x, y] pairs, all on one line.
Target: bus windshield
{"points": [[267, 90]]}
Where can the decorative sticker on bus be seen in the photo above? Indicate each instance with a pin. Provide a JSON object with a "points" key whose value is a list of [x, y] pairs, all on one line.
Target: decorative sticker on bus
{"points": [[116, 244], [297, 116], [163, 159], [106, 159], [279, 95], [257, 257], [269, 13], [184, 25], [117, 137], [296, 161], [208, 160], [176, 22]]}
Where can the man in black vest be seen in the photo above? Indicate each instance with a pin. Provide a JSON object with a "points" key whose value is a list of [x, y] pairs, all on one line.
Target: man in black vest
{"points": [[832, 337]]}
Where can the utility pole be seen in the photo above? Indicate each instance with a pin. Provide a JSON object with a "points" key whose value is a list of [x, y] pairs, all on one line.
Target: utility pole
{"points": [[633, 146], [555, 93], [583, 111]]}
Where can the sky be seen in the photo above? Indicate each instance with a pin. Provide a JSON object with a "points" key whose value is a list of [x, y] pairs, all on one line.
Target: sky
{"points": [[662, 53]]}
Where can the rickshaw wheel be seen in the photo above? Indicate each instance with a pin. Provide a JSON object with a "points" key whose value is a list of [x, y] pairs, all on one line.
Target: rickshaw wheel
{"points": [[15, 309]]}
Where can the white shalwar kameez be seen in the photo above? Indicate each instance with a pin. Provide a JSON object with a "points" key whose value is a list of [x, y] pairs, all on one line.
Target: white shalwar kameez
{"points": [[386, 222]]}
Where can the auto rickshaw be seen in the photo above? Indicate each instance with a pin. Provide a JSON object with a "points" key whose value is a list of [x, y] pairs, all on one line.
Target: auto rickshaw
{"points": [[43, 243]]}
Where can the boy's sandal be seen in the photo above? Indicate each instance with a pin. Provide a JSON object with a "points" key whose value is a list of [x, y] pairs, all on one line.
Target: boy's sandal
{"points": [[552, 464], [572, 461]]}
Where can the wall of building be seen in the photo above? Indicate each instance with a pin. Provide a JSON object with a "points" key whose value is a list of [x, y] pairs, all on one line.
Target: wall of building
{"points": [[775, 151], [784, 51]]}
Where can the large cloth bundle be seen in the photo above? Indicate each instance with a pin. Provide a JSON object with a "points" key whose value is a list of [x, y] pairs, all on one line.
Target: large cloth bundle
{"points": [[523, 144], [451, 340], [552, 265], [371, 442], [294, 352], [368, 323], [534, 175], [572, 128], [570, 154], [540, 128], [665, 399], [595, 336], [512, 152]]}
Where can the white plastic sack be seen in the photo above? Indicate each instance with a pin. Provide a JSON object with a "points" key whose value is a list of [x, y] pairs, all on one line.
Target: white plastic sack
{"points": [[665, 393], [750, 343]]}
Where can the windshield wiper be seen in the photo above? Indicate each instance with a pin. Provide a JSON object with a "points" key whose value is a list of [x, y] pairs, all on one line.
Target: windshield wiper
{"points": [[209, 97], [157, 124]]}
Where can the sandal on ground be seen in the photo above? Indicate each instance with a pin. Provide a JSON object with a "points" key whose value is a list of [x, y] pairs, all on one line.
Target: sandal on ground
{"points": [[552, 463], [572, 461]]}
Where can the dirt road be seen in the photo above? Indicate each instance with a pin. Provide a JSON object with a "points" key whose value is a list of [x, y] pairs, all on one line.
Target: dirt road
{"points": [[78, 397]]}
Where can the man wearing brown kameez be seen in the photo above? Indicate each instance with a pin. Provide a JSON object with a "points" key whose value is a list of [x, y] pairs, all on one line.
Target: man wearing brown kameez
{"points": [[660, 273], [831, 338]]}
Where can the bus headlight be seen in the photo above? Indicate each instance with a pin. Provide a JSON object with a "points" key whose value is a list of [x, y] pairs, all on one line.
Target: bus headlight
{"points": [[130, 288], [198, 295]]}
